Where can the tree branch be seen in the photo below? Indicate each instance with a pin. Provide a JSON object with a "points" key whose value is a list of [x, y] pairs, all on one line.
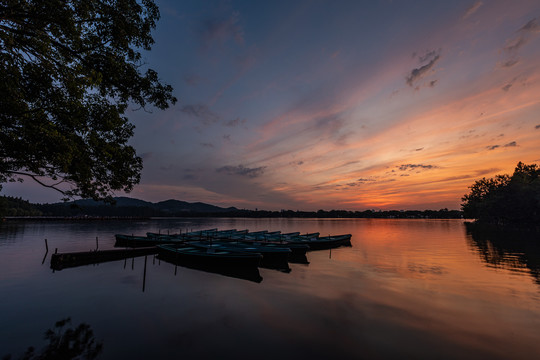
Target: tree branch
{"points": [[35, 178]]}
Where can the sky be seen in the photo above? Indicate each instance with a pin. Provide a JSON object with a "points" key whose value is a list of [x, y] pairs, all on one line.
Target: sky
{"points": [[354, 105]]}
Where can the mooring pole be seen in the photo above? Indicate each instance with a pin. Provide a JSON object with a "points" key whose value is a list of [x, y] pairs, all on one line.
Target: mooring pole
{"points": [[46, 252], [175, 262], [144, 275]]}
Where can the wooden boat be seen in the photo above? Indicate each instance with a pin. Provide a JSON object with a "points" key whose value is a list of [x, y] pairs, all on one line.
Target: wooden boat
{"points": [[323, 242], [296, 249], [310, 243], [272, 256], [212, 257]]}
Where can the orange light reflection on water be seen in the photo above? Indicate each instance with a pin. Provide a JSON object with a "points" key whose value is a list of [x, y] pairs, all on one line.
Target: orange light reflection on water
{"points": [[424, 276]]}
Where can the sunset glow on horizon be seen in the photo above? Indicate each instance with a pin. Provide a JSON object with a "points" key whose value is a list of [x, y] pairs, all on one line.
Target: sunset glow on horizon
{"points": [[354, 105]]}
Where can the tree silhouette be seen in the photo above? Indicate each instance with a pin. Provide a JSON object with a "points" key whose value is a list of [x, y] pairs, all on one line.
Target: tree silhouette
{"points": [[69, 71], [66, 344], [506, 199]]}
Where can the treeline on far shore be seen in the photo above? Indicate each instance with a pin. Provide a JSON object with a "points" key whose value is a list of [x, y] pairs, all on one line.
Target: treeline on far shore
{"points": [[16, 207]]}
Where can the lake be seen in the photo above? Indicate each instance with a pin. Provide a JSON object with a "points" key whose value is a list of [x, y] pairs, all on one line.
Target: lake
{"points": [[420, 289]]}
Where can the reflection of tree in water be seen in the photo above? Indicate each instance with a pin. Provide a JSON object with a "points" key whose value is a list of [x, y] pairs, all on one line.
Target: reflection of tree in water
{"points": [[66, 343], [515, 250]]}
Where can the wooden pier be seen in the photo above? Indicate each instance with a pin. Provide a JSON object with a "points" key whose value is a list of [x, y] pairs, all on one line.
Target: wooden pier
{"points": [[61, 261]]}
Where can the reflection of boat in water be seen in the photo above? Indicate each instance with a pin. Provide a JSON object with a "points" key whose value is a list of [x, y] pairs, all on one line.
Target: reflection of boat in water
{"points": [[238, 265], [298, 259], [512, 249], [210, 257]]}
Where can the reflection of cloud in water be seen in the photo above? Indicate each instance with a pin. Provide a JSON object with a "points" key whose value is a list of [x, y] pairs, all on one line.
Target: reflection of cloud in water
{"points": [[426, 269], [514, 250]]}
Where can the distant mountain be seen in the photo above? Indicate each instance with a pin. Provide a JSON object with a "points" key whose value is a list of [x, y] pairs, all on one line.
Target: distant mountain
{"points": [[174, 206], [166, 207], [120, 202]]}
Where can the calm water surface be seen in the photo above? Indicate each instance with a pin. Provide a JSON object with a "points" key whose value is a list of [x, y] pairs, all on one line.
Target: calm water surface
{"points": [[419, 289]]}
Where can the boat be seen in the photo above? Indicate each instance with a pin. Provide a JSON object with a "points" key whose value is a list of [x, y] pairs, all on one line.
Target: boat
{"points": [[272, 256], [307, 242], [211, 257], [323, 242]]}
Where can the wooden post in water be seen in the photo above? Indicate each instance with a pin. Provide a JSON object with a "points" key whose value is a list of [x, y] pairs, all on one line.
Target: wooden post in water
{"points": [[132, 263], [46, 252], [144, 275], [175, 261]]}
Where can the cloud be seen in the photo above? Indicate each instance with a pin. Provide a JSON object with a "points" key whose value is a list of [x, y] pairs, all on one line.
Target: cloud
{"points": [[365, 180], [358, 182], [515, 44], [241, 170], [201, 112], [431, 58], [427, 56], [416, 166], [508, 63], [235, 122], [510, 144], [532, 26], [222, 29], [331, 127], [208, 145], [471, 10], [537, 127], [524, 36], [507, 87], [486, 171]]}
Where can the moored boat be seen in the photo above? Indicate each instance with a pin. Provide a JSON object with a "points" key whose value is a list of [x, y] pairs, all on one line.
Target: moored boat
{"points": [[323, 242], [272, 256]]}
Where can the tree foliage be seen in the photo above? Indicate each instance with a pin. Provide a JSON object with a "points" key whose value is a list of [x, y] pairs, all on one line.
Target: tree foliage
{"points": [[69, 71], [506, 199], [65, 342]]}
